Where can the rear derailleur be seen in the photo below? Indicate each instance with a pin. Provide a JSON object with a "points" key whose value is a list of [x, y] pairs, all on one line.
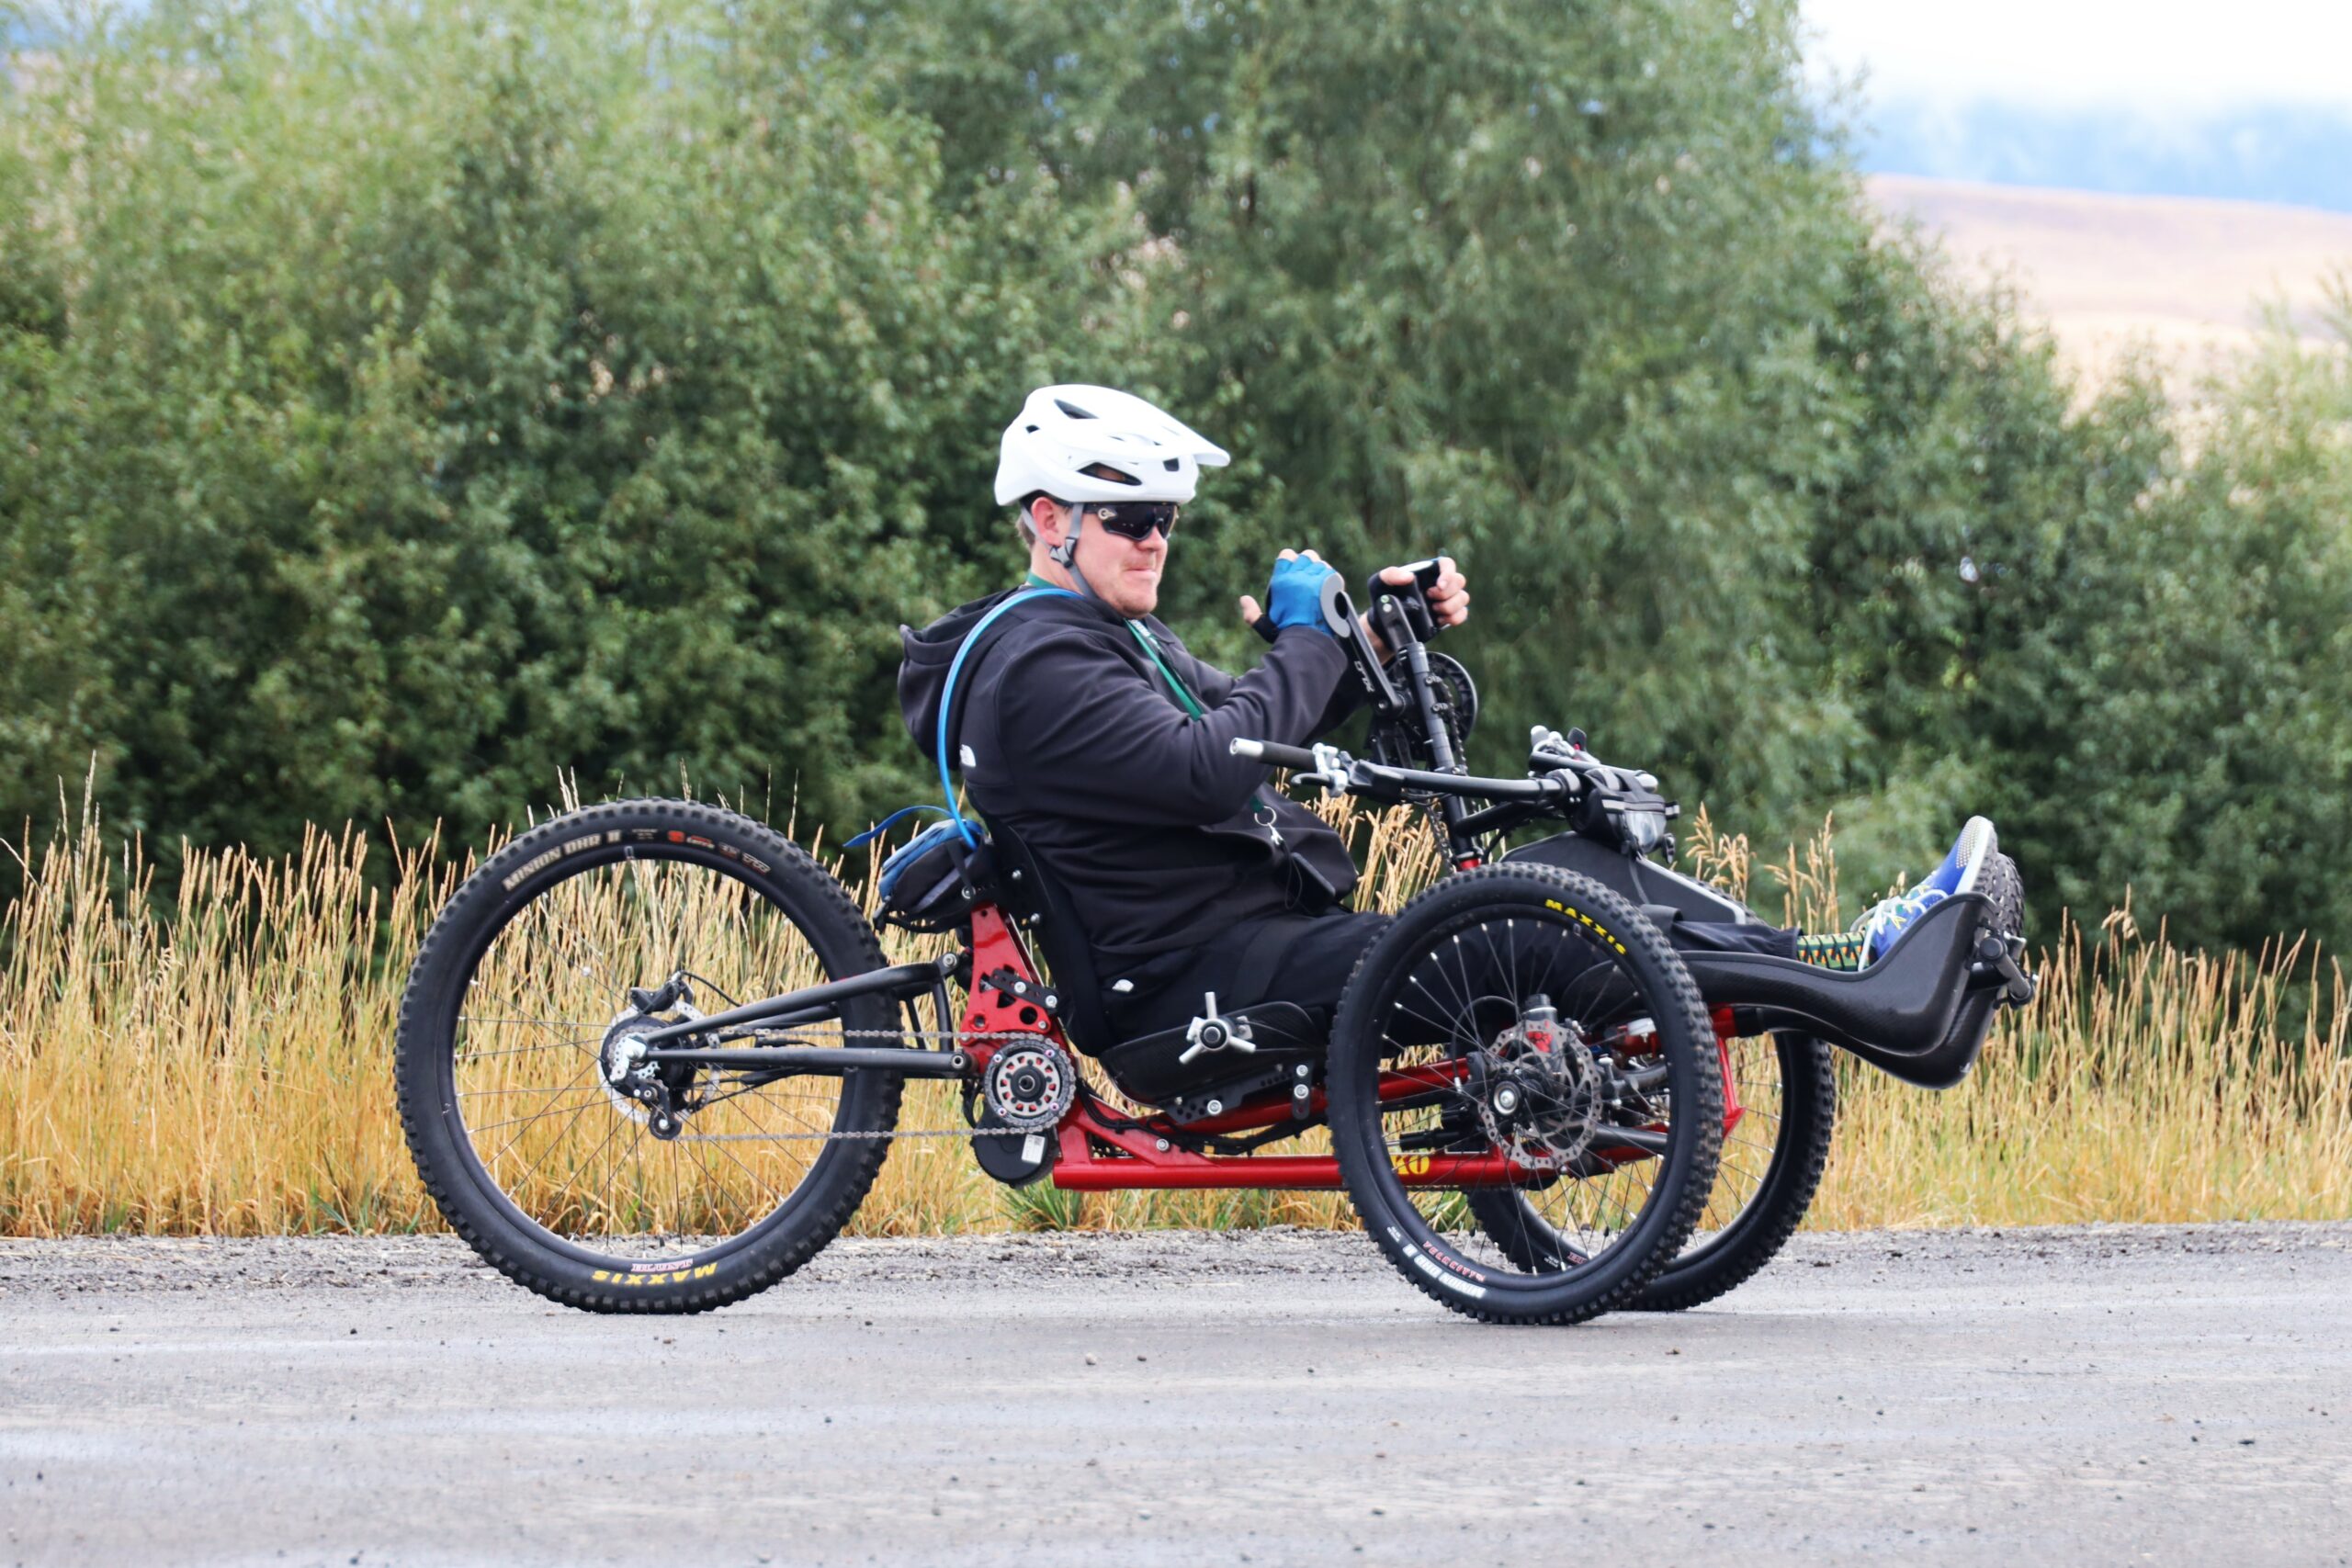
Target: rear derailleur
{"points": [[658, 1096]]}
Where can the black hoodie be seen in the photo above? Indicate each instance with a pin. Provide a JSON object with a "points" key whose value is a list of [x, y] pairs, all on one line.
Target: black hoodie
{"points": [[1141, 812]]}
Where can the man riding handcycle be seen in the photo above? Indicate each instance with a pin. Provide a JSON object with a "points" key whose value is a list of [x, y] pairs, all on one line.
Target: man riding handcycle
{"points": [[652, 1056]]}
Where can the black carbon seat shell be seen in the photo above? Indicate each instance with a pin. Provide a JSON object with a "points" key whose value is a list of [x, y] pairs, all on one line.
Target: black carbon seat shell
{"points": [[1021, 889]]}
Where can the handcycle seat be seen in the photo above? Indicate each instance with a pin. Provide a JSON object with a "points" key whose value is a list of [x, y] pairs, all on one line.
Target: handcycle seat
{"points": [[1146, 1067], [1044, 911]]}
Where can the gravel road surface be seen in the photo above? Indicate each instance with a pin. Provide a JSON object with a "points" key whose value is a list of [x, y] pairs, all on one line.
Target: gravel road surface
{"points": [[2046, 1396]]}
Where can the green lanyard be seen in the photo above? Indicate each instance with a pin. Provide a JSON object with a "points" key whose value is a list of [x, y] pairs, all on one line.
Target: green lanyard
{"points": [[1185, 698], [1150, 645]]}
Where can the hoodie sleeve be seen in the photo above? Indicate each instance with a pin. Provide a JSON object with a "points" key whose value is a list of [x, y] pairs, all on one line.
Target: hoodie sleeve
{"points": [[1213, 685], [1088, 734]]}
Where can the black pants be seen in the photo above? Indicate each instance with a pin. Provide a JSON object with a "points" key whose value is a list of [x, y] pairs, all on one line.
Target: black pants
{"points": [[1305, 959]]}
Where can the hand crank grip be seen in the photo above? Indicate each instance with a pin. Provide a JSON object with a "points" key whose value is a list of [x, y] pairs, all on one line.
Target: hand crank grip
{"points": [[1272, 754], [1336, 612], [1412, 597]]}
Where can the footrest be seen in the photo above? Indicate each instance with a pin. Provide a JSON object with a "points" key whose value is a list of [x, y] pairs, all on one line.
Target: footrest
{"points": [[1920, 1012]]}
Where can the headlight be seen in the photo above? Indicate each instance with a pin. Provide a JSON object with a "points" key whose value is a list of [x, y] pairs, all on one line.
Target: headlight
{"points": [[1643, 829]]}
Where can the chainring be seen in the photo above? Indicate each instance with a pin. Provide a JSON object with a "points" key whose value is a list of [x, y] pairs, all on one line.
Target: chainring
{"points": [[1029, 1084]]}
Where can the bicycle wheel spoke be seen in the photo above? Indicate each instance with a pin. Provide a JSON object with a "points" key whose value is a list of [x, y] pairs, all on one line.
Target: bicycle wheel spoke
{"points": [[588, 1045], [542, 1115]]}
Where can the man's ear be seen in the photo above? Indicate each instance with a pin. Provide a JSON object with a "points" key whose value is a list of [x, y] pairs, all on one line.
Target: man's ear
{"points": [[1048, 519]]}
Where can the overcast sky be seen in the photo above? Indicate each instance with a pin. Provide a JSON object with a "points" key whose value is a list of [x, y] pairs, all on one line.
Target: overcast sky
{"points": [[2155, 55]]}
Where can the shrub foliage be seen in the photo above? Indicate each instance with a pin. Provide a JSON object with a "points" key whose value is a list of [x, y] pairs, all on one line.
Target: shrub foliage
{"points": [[403, 406]]}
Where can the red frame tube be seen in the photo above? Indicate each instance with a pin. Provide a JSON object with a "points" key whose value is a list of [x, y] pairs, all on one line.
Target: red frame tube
{"points": [[1147, 1160]]}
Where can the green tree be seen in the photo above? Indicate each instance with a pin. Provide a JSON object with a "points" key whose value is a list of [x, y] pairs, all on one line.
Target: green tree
{"points": [[402, 407], [2179, 718], [451, 402]]}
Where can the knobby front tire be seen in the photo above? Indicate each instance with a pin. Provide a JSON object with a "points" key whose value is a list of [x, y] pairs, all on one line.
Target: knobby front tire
{"points": [[504, 1034], [1449, 990], [1773, 1164], [1772, 1167], [1749, 1219]]}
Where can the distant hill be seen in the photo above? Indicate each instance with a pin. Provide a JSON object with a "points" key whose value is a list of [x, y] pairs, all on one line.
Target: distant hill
{"points": [[2297, 155], [2189, 276]]}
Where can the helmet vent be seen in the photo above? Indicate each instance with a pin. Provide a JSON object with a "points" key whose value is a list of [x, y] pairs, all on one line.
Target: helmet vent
{"points": [[1071, 409]]}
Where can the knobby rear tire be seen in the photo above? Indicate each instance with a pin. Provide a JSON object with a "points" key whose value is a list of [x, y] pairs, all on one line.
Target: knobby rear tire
{"points": [[778, 871]]}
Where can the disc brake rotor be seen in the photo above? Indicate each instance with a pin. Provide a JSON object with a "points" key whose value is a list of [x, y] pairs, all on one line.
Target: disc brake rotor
{"points": [[1543, 1094]]}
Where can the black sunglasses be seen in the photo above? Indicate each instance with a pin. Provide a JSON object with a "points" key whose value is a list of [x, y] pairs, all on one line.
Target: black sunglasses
{"points": [[1136, 519]]}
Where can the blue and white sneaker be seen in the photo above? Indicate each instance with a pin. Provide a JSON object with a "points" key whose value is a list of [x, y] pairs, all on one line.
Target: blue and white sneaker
{"points": [[1960, 870]]}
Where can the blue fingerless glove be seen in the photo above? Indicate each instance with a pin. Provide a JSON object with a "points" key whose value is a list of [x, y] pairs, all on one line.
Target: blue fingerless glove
{"points": [[1295, 597]]}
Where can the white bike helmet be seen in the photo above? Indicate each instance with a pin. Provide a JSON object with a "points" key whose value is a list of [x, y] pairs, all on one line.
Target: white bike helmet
{"points": [[1064, 431]]}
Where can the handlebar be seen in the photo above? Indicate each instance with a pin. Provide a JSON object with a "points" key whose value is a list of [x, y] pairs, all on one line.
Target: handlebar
{"points": [[1386, 652], [1277, 755], [1371, 778]]}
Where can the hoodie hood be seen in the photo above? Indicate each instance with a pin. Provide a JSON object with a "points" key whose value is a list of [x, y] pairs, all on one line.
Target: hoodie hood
{"points": [[923, 669], [929, 653]]}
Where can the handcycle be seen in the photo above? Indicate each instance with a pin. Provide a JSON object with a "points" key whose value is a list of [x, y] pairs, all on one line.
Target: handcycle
{"points": [[651, 1055]]}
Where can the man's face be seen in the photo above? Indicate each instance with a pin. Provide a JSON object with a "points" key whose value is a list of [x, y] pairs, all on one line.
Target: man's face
{"points": [[1124, 573]]}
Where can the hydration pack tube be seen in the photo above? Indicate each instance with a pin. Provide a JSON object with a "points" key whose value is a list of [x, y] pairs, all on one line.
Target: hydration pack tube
{"points": [[947, 701]]}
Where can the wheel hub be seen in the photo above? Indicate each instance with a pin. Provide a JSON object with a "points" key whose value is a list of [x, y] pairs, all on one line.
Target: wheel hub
{"points": [[1543, 1093], [648, 1093]]}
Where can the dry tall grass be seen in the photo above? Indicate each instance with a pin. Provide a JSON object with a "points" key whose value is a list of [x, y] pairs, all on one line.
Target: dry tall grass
{"points": [[2146, 1082], [222, 1064]]}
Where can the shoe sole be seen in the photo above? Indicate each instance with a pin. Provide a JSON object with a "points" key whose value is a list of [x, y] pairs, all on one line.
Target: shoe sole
{"points": [[1974, 847]]}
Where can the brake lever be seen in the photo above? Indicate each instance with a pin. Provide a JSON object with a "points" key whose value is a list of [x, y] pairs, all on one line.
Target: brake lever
{"points": [[1332, 770]]}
